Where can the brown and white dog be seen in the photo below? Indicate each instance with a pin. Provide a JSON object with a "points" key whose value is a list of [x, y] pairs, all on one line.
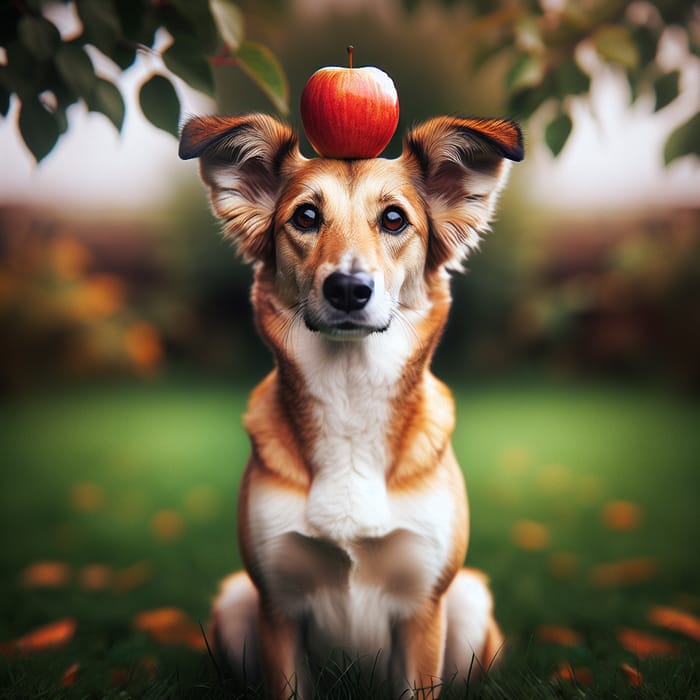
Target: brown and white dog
{"points": [[352, 518]]}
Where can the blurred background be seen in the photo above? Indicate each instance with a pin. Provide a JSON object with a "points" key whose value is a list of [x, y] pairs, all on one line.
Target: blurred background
{"points": [[573, 347], [111, 264]]}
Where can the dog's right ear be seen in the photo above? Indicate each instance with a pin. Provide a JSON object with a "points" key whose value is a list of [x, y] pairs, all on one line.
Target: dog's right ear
{"points": [[241, 161]]}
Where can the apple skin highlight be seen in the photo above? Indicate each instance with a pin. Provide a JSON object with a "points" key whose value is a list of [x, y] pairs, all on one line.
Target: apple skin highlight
{"points": [[349, 112]]}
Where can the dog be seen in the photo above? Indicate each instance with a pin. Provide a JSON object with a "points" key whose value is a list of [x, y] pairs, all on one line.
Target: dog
{"points": [[352, 515]]}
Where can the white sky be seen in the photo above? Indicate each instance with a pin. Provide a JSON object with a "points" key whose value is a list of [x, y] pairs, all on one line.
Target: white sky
{"points": [[614, 157]]}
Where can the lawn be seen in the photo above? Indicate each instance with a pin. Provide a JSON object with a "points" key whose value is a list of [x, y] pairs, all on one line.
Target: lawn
{"points": [[118, 516]]}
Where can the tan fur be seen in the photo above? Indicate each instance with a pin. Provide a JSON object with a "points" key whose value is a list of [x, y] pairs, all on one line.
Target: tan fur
{"points": [[353, 518]]}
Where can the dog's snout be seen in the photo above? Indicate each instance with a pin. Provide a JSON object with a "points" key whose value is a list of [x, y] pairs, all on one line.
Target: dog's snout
{"points": [[348, 292]]}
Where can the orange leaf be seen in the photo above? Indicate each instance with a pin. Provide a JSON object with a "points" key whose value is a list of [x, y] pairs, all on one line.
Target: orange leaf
{"points": [[559, 635], [634, 676], [132, 577], [530, 535], [167, 524], [621, 515], [580, 675], [644, 645], [87, 497], [627, 571], [676, 620], [171, 626], [70, 675], [46, 574], [95, 577], [159, 619], [56, 634], [144, 347]]}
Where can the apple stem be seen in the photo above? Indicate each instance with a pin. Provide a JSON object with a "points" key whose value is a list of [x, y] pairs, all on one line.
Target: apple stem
{"points": [[350, 50]]}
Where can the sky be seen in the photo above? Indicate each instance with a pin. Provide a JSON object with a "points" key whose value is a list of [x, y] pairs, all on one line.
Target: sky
{"points": [[614, 157]]}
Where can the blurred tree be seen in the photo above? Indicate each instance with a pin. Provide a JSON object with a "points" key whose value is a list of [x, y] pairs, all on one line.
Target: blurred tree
{"points": [[541, 41], [49, 72]]}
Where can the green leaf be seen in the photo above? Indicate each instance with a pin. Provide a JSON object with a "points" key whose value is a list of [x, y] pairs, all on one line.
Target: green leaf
{"points": [[186, 60], [557, 132], [229, 22], [4, 101], [524, 103], [75, 68], [646, 40], [38, 127], [571, 80], [21, 70], [260, 64], [101, 25], [684, 141], [160, 104], [614, 44], [107, 100], [39, 36], [666, 88], [199, 18], [527, 71]]}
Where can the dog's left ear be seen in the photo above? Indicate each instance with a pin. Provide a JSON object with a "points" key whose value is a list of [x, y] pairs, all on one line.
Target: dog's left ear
{"points": [[462, 165], [242, 160]]}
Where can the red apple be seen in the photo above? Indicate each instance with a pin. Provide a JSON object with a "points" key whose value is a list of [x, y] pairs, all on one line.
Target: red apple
{"points": [[349, 112]]}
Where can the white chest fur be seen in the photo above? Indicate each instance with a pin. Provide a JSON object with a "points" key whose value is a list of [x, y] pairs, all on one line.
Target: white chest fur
{"points": [[352, 386], [350, 556]]}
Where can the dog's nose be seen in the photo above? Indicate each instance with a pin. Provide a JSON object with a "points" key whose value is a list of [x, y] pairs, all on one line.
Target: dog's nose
{"points": [[348, 292]]}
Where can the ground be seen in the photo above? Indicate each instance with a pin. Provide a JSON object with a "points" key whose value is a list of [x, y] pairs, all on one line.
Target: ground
{"points": [[118, 519]]}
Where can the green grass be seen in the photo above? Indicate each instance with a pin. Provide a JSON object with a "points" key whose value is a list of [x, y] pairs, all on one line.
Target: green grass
{"points": [[143, 478]]}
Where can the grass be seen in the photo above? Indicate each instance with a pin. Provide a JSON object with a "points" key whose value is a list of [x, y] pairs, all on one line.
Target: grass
{"points": [[119, 502]]}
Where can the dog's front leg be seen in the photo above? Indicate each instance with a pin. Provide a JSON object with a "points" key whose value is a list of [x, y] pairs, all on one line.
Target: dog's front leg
{"points": [[280, 640], [422, 647]]}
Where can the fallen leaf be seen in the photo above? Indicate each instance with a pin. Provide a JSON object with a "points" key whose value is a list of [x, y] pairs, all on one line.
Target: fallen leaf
{"points": [[621, 515], [530, 535], [159, 619], [46, 574], [580, 674], [634, 676], [676, 620], [87, 497], [132, 577], [171, 626], [95, 577], [167, 525], [70, 675], [625, 572], [144, 346], [643, 644], [559, 635], [54, 635]]}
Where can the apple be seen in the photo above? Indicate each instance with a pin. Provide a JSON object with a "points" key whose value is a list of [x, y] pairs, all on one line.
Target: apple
{"points": [[349, 112]]}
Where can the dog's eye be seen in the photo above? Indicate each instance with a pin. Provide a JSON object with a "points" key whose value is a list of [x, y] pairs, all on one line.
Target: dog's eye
{"points": [[306, 218], [393, 220]]}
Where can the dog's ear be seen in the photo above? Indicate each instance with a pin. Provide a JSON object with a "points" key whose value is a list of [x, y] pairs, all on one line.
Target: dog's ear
{"points": [[462, 165], [241, 161]]}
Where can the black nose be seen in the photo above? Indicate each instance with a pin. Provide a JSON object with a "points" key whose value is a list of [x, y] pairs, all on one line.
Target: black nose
{"points": [[348, 292]]}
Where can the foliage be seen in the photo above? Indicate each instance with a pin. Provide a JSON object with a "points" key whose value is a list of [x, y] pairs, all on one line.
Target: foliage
{"points": [[543, 44], [49, 72]]}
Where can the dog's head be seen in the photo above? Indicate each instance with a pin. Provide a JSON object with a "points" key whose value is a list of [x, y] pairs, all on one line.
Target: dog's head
{"points": [[348, 244]]}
